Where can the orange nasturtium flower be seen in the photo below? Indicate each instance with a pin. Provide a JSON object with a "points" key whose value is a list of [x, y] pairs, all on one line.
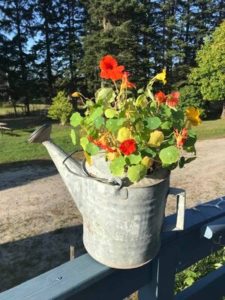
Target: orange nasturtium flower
{"points": [[160, 97], [128, 146], [173, 99], [193, 115], [126, 84], [101, 144], [110, 69], [181, 137]]}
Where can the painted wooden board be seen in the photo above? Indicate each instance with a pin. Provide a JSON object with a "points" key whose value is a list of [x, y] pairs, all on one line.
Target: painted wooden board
{"points": [[86, 279]]}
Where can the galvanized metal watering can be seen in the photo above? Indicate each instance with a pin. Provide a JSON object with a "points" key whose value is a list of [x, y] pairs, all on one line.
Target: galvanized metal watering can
{"points": [[122, 223]]}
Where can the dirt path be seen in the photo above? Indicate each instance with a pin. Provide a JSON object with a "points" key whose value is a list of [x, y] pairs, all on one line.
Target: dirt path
{"points": [[39, 221]]}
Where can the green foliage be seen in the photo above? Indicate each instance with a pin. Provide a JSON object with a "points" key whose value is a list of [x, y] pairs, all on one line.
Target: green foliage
{"points": [[61, 109], [207, 80], [70, 36], [209, 74], [73, 136], [134, 159], [137, 132], [105, 95], [190, 96], [116, 28], [169, 155], [198, 270], [75, 119], [135, 173], [117, 166], [153, 123]]}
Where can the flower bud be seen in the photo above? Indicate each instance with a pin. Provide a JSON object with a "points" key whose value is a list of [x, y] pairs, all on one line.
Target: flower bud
{"points": [[147, 162], [156, 138]]}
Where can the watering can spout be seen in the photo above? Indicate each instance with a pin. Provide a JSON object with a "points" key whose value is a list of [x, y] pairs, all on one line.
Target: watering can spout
{"points": [[70, 169]]}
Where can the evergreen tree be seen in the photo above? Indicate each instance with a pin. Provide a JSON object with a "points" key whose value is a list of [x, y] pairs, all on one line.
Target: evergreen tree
{"points": [[16, 20], [45, 49], [113, 27], [69, 49], [195, 20]]}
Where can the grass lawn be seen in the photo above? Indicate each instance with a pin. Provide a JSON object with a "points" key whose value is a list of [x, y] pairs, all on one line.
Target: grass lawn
{"points": [[211, 129], [8, 110], [16, 148]]}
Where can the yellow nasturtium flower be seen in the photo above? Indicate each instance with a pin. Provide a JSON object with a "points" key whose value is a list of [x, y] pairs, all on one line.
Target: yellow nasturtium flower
{"points": [[112, 155], [161, 76], [156, 138], [147, 162], [124, 133], [193, 114], [76, 94]]}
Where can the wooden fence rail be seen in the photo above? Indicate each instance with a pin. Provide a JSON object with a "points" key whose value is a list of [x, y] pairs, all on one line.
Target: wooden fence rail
{"points": [[85, 279]]}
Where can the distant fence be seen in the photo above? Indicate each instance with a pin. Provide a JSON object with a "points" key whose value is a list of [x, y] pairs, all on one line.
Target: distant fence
{"points": [[85, 279]]}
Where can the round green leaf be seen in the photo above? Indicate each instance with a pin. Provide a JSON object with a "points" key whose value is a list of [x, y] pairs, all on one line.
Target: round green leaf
{"points": [[153, 123], [169, 155], [113, 125], [75, 119], [99, 121], [110, 113], [73, 136], [141, 101], [166, 125], [97, 112], [136, 173], [117, 166], [166, 110], [134, 159], [92, 149], [84, 142], [105, 95]]}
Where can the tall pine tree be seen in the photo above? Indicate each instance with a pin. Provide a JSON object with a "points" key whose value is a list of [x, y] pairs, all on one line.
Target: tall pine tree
{"points": [[16, 23], [45, 48], [69, 48], [113, 27]]}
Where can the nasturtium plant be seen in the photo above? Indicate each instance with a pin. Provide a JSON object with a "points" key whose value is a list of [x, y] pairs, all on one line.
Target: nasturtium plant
{"points": [[139, 131]]}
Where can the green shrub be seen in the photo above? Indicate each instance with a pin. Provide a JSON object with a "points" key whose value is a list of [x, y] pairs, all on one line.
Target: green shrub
{"points": [[61, 108], [190, 96]]}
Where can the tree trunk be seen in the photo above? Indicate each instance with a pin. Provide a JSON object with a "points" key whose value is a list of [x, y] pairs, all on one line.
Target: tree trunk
{"points": [[48, 51], [223, 111], [187, 32], [22, 62], [70, 40]]}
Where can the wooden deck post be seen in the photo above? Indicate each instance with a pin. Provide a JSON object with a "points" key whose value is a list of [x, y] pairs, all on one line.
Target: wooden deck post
{"points": [[161, 283]]}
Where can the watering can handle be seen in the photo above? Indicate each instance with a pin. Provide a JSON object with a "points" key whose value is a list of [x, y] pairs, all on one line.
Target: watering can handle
{"points": [[180, 196]]}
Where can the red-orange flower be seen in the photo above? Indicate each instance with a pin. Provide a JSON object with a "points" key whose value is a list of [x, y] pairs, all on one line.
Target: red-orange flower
{"points": [[126, 84], [160, 97], [101, 145], [173, 99], [181, 137], [128, 146], [110, 69]]}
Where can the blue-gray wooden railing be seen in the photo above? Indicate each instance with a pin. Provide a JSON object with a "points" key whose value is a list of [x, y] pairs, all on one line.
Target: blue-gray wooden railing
{"points": [[85, 279]]}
